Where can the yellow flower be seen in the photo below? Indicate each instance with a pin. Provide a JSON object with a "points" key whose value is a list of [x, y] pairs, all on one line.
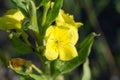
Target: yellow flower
{"points": [[67, 20], [61, 38], [11, 20], [60, 44]]}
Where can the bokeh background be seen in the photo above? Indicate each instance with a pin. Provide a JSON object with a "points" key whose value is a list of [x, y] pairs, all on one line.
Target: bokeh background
{"points": [[100, 16]]}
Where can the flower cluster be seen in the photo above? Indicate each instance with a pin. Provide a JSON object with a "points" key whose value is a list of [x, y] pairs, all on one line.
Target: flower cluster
{"points": [[60, 38]]}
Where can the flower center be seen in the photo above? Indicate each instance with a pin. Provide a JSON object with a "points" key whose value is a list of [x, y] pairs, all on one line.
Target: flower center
{"points": [[56, 41]]}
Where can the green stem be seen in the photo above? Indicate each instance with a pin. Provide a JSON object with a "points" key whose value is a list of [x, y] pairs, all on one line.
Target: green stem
{"points": [[34, 17], [38, 36], [33, 21], [45, 11], [36, 69], [47, 71], [46, 7]]}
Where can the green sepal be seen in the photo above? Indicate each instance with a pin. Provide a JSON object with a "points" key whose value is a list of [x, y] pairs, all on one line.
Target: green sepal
{"points": [[62, 67], [53, 13]]}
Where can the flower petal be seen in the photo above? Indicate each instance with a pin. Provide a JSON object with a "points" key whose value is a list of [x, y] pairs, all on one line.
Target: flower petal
{"points": [[68, 19], [15, 14], [11, 20], [51, 53], [67, 52], [48, 32], [56, 33], [9, 23], [73, 33], [75, 36]]}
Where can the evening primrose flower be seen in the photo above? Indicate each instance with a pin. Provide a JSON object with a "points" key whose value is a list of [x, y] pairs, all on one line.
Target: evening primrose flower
{"points": [[11, 20], [60, 44], [67, 20]]}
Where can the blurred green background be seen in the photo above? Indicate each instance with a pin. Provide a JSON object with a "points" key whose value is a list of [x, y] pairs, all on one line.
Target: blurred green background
{"points": [[100, 16]]}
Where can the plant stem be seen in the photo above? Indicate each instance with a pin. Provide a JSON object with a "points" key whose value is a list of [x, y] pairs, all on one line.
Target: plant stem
{"points": [[46, 7], [36, 69], [47, 71], [34, 17]]}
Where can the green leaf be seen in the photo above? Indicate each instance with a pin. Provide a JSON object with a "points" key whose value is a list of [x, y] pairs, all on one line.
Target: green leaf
{"points": [[37, 77], [30, 76], [20, 45], [24, 76], [53, 13], [83, 52], [33, 17]]}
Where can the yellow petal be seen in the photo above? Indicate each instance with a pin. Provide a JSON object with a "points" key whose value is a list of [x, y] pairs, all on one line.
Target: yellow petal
{"points": [[73, 33], [9, 23], [15, 14], [67, 52], [68, 19], [48, 32], [51, 53], [11, 20], [61, 34], [60, 42]]}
